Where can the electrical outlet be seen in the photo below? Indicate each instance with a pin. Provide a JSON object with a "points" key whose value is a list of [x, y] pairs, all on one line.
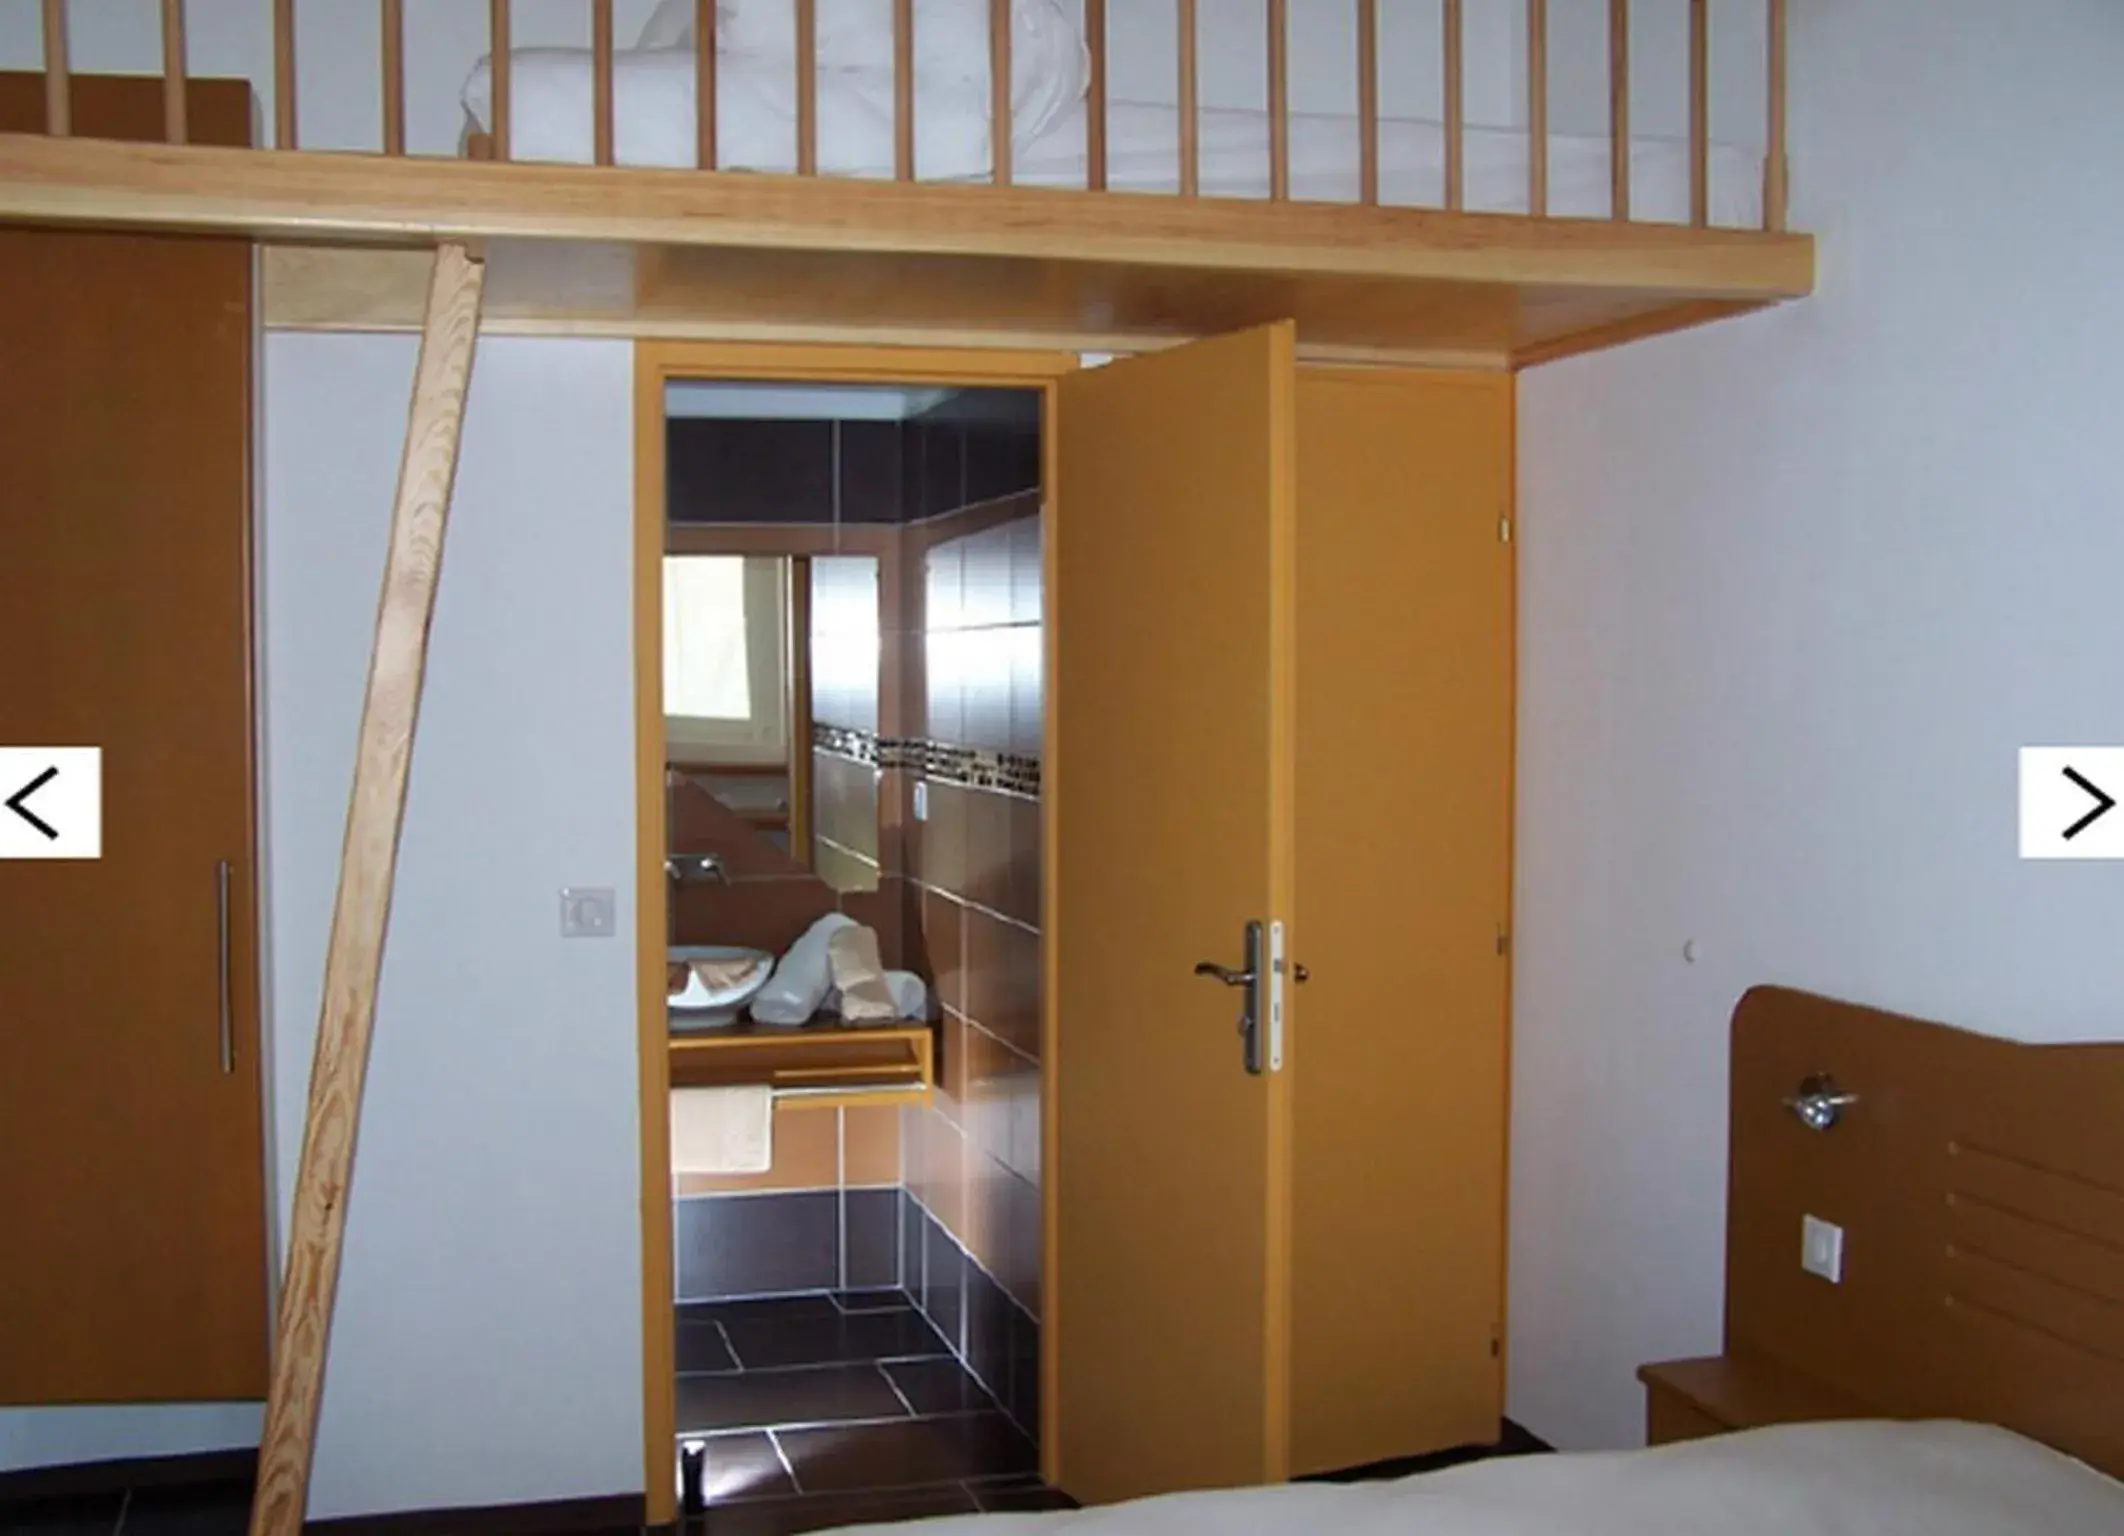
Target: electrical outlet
{"points": [[588, 912], [1822, 1249]]}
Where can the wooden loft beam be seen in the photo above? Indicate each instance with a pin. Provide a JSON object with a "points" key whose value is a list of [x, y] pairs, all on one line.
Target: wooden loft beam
{"points": [[368, 866], [354, 200]]}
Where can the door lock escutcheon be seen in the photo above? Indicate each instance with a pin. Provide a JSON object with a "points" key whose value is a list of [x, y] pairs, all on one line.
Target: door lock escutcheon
{"points": [[1260, 981]]}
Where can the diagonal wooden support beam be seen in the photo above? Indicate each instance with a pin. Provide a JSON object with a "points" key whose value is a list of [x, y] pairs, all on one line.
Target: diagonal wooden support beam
{"points": [[368, 863]]}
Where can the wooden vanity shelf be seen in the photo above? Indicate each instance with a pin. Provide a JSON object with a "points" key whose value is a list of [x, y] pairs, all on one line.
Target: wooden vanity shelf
{"points": [[824, 1066]]}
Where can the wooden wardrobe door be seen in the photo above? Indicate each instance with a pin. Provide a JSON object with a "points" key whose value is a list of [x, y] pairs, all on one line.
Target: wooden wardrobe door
{"points": [[1169, 615], [1404, 807], [131, 1161]]}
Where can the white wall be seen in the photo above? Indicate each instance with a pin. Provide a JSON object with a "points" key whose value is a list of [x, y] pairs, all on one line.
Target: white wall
{"points": [[488, 1341], [1793, 590]]}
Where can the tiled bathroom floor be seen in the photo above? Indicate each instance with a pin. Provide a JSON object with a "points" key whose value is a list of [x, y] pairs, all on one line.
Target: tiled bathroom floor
{"points": [[834, 1409]]}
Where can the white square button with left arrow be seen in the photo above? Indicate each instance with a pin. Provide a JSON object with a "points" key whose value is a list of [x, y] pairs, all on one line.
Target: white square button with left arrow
{"points": [[2069, 802], [51, 802]]}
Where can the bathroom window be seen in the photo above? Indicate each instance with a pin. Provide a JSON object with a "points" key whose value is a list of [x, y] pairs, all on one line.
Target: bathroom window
{"points": [[726, 620]]}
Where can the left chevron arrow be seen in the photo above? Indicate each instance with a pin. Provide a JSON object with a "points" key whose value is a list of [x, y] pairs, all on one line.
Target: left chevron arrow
{"points": [[15, 803]]}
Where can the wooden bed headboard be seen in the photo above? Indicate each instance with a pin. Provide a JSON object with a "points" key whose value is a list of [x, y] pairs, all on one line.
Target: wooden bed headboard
{"points": [[1980, 1186]]}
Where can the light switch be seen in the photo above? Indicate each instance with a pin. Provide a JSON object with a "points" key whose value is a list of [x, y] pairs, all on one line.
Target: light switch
{"points": [[921, 800], [587, 912], [1822, 1249]]}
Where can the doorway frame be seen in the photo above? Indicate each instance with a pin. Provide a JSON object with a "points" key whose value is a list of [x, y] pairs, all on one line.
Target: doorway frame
{"points": [[656, 364]]}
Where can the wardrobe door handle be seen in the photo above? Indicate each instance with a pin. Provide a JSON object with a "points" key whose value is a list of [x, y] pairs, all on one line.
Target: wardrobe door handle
{"points": [[221, 905]]}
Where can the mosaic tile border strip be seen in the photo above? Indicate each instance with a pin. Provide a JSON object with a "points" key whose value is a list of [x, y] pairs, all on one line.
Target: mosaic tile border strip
{"points": [[1011, 772]]}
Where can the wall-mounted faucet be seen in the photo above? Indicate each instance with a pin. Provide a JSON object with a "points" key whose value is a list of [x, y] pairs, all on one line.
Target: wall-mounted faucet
{"points": [[696, 868]]}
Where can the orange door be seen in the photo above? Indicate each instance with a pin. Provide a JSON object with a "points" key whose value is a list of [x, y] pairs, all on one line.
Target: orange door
{"points": [[1403, 820], [1169, 817], [131, 1164]]}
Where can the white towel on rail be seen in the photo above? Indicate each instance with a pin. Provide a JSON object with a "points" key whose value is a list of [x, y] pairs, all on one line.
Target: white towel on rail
{"points": [[722, 1130]]}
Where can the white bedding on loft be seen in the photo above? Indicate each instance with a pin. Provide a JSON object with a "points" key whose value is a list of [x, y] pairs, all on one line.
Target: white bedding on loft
{"points": [[654, 115], [1868, 1479]]}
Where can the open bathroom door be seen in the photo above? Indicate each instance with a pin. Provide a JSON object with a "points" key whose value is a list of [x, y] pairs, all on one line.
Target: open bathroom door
{"points": [[1170, 614]]}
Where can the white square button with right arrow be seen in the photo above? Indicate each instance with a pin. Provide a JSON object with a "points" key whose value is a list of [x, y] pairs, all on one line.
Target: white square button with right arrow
{"points": [[2070, 802], [51, 802]]}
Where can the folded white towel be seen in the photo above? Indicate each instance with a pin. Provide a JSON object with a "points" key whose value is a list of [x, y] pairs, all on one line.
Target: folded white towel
{"points": [[722, 1130]]}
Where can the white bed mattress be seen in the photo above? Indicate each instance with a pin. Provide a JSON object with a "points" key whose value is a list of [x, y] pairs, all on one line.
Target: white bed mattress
{"points": [[1938, 1479], [654, 125]]}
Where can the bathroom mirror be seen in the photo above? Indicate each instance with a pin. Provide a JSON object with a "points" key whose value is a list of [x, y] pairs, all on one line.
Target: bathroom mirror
{"points": [[771, 715]]}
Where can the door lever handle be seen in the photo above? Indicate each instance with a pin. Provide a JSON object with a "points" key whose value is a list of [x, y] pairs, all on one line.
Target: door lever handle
{"points": [[1224, 973]]}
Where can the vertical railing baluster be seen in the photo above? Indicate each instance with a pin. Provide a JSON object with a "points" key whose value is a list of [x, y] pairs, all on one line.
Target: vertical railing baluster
{"points": [[284, 136], [1456, 114], [601, 87], [1700, 113], [174, 126], [1538, 108], [903, 90], [1190, 146], [394, 77], [807, 87], [1619, 109], [1776, 172], [1095, 97], [1279, 100], [999, 88], [1368, 101], [500, 68], [704, 84], [58, 73]]}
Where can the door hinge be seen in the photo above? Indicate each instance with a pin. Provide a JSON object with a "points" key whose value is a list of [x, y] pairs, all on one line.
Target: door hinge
{"points": [[1504, 530], [1504, 940], [1496, 1342]]}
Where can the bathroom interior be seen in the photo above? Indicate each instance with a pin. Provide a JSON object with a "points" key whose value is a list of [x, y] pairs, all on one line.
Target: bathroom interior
{"points": [[853, 682]]}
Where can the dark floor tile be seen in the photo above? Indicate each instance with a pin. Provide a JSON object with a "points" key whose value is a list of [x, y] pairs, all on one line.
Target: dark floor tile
{"points": [[939, 1386], [889, 1299], [214, 1510], [819, 1394], [759, 1308], [871, 1250], [743, 1465], [767, 1344], [897, 1455], [701, 1347], [88, 1515], [758, 1245], [1029, 1497], [830, 1511]]}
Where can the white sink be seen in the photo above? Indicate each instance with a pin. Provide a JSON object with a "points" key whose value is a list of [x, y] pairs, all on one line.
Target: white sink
{"points": [[704, 1006]]}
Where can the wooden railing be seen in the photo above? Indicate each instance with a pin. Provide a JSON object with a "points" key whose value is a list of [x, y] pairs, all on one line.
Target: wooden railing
{"points": [[1537, 67]]}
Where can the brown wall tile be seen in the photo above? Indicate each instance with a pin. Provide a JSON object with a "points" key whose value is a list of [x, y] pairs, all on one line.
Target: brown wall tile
{"points": [[1000, 1085], [988, 871], [944, 838], [986, 1232], [807, 1155], [1003, 981], [1021, 896], [881, 910], [951, 1090], [943, 928], [871, 1141], [936, 1164]]}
